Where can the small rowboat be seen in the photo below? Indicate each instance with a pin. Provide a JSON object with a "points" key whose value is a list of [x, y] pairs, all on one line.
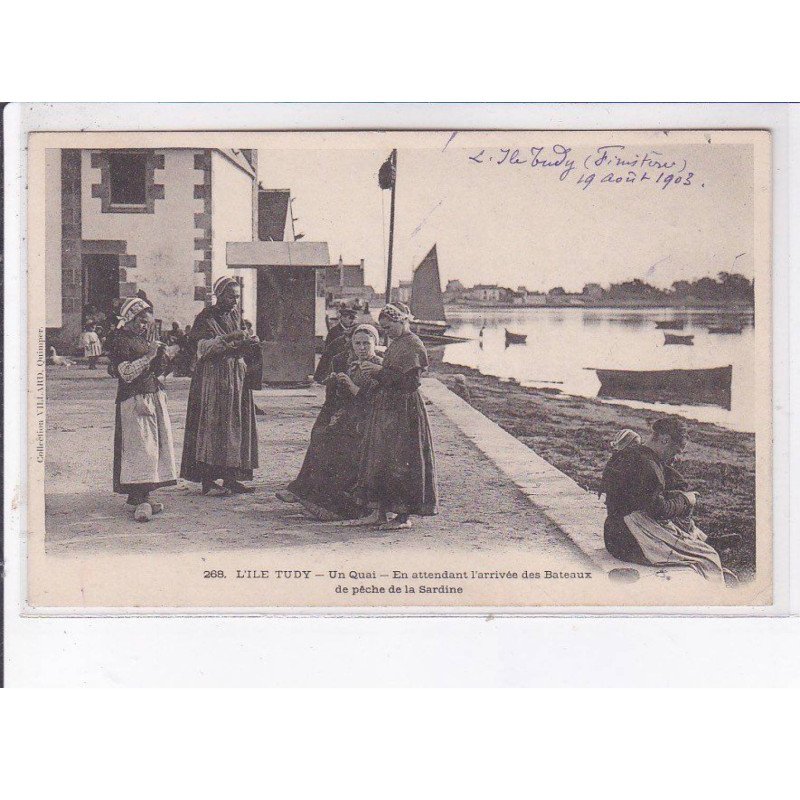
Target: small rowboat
{"points": [[671, 325], [425, 327], [726, 329], [712, 385], [671, 338], [515, 338], [434, 339]]}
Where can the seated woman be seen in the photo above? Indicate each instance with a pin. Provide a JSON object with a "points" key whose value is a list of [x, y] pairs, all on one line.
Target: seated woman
{"points": [[648, 521], [144, 459], [397, 470], [331, 463]]}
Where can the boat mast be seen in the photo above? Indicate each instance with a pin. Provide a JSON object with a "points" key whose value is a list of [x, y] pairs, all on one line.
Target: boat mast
{"points": [[393, 162]]}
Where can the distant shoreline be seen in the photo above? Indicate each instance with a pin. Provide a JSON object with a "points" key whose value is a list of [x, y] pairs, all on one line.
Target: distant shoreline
{"points": [[620, 306]]}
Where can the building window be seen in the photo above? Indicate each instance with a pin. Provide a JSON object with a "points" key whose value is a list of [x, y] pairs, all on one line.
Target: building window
{"points": [[127, 180]]}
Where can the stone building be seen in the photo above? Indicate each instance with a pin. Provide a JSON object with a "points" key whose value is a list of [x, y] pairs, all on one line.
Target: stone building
{"points": [[121, 222], [343, 276]]}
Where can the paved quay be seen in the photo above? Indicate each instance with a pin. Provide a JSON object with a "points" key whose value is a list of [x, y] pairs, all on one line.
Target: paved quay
{"points": [[496, 494]]}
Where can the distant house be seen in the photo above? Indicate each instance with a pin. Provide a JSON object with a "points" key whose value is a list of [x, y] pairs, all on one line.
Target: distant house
{"points": [[593, 292], [558, 297], [454, 292], [522, 297], [486, 293], [344, 276], [153, 221], [345, 282]]}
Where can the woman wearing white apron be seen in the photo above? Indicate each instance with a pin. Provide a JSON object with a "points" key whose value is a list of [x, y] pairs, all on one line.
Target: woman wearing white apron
{"points": [[144, 459]]}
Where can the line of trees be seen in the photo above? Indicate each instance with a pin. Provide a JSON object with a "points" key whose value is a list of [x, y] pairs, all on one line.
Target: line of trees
{"points": [[727, 287]]}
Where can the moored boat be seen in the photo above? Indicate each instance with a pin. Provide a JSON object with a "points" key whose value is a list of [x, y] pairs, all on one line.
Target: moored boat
{"points": [[434, 339], [732, 328], [424, 327], [515, 338], [671, 325], [682, 386], [671, 338]]}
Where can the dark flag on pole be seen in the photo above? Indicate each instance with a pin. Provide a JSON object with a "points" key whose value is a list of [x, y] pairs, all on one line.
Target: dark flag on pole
{"points": [[387, 178], [387, 173]]}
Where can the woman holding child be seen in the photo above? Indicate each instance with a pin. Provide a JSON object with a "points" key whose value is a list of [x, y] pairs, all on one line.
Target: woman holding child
{"points": [[330, 467]]}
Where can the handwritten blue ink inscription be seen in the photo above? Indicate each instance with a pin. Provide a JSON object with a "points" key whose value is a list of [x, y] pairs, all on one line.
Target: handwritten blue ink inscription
{"points": [[610, 164]]}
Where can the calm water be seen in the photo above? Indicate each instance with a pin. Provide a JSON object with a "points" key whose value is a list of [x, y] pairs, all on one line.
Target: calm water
{"points": [[563, 342]]}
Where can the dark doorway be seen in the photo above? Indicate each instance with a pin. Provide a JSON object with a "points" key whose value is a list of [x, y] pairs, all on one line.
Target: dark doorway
{"points": [[100, 282]]}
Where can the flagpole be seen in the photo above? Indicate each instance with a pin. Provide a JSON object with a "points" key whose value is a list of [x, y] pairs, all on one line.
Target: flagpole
{"points": [[393, 158]]}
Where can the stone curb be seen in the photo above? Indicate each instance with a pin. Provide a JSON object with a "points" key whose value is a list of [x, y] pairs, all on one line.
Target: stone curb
{"points": [[577, 513]]}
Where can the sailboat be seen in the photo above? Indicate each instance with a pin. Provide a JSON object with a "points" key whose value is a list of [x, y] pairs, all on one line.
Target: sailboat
{"points": [[427, 304]]}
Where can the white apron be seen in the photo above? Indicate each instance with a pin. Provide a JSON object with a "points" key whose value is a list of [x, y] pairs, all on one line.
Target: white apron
{"points": [[148, 455]]}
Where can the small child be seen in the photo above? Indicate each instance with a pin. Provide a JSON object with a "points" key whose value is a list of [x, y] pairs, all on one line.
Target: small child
{"points": [[92, 347]]}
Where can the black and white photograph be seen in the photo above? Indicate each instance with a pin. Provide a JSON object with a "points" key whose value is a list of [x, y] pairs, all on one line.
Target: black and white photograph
{"points": [[399, 369]]}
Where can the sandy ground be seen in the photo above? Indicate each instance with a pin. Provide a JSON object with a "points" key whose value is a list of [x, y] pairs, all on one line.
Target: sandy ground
{"points": [[480, 508], [574, 433]]}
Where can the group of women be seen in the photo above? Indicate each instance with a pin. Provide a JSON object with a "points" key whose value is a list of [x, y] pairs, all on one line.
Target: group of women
{"points": [[370, 460], [371, 453]]}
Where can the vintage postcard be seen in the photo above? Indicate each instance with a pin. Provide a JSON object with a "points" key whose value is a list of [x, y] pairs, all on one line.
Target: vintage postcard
{"points": [[399, 371]]}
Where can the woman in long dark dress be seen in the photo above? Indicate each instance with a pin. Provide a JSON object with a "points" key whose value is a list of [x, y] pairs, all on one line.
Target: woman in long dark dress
{"points": [[649, 519], [144, 459], [336, 342], [397, 468], [330, 468], [220, 439]]}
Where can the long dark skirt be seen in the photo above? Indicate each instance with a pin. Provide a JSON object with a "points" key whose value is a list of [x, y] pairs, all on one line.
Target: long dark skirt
{"points": [[620, 542], [330, 467], [397, 469], [220, 438]]}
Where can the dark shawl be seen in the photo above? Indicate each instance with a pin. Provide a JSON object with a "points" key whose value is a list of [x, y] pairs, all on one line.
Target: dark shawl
{"points": [[334, 345], [635, 479], [220, 438], [330, 467], [126, 346]]}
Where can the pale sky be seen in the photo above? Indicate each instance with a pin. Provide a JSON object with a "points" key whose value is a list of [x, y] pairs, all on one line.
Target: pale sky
{"points": [[495, 222]]}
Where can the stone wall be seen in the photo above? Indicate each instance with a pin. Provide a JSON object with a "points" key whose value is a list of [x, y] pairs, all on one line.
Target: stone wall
{"points": [[66, 338]]}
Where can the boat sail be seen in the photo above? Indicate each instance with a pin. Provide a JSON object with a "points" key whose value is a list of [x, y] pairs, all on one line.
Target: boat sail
{"points": [[427, 303]]}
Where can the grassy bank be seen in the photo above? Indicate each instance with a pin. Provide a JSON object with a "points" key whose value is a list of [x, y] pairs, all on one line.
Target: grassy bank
{"points": [[573, 434]]}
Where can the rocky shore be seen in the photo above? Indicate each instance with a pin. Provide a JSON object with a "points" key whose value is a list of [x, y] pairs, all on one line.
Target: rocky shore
{"points": [[573, 434]]}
